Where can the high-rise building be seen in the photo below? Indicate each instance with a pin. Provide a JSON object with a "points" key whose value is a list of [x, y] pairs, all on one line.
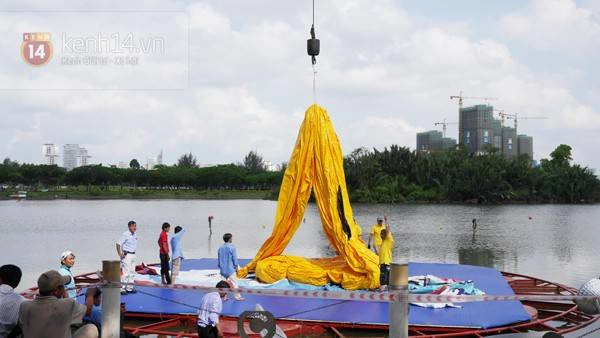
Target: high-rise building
{"points": [[479, 130], [434, 140], [159, 158], [509, 142], [50, 153], [70, 154], [525, 145], [83, 157], [476, 127]]}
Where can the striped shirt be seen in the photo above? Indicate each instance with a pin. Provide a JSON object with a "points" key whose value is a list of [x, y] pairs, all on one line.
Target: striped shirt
{"points": [[9, 309], [209, 311], [128, 241]]}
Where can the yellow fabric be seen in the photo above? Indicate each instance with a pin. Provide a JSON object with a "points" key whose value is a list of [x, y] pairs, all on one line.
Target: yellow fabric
{"points": [[387, 246], [376, 232], [316, 165]]}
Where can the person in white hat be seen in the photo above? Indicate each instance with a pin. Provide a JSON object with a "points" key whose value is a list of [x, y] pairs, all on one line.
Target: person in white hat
{"points": [[67, 260]]}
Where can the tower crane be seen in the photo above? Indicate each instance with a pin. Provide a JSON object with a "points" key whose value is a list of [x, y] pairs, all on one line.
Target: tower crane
{"points": [[504, 116], [460, 98], [516, 118], [444, 124]]}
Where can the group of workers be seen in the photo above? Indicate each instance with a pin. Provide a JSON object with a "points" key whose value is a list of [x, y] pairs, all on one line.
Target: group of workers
{"points": [[383, 246], [56, 311]]}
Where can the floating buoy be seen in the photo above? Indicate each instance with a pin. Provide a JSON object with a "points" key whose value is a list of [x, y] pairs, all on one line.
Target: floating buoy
{"points": [[590, 288]]}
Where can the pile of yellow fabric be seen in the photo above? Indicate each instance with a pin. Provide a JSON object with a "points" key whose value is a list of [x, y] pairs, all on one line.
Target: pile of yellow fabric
{"points": [[316, 165]]}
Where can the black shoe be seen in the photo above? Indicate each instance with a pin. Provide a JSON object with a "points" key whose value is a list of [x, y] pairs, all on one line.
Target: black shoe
{"points": [[123, 292], [132, 291]]}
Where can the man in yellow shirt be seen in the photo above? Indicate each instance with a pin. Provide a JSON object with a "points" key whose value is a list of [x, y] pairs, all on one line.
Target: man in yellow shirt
{"points": [[376, 235], [385, 257]]}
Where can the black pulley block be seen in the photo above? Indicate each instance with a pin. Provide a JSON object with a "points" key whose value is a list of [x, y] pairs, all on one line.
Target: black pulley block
{"points": [[312, 46]]}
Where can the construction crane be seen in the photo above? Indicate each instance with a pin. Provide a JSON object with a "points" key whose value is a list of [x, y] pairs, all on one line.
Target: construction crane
{"points": [[444, 124], [460, 98], [516, 118], [504, 116]]}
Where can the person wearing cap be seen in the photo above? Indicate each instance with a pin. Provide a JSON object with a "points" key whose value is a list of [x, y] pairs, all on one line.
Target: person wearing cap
{"points": [[209, 312], [67, 260], [375, 235], [10, 277], [52, 312], [126, 246]]}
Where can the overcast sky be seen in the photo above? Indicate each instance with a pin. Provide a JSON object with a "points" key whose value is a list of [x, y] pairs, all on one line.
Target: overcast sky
{"points": [[221, 78]]}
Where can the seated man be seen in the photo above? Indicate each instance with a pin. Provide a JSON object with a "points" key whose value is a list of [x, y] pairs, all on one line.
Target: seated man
{"points": [[10, 276], [52, 313]]}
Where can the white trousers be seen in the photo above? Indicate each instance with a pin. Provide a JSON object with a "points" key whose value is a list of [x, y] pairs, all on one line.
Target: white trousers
{"points": [[128, 271]]}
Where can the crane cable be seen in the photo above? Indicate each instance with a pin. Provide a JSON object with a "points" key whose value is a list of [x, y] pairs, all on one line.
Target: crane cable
{"points": [[312, 47]]}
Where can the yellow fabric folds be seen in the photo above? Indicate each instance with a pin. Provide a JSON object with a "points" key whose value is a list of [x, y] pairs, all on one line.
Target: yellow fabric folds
{"points": [[316, 165]]}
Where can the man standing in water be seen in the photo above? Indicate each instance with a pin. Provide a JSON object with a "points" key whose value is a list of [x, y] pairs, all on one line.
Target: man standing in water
{"points": [[126, 247], [228, 263], [375, 235], [163, 253]]}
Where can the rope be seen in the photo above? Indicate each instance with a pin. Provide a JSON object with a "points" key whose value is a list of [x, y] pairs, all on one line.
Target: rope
{"points": [[314, 82], [368, 296], [590, 332]]}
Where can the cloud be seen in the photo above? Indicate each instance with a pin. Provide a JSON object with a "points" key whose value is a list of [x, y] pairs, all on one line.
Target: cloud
{"points": [[555, 25], [382, 75]]}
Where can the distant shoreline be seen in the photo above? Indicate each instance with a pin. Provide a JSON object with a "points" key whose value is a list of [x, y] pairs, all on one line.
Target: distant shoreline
{"points": [[143, 194]]}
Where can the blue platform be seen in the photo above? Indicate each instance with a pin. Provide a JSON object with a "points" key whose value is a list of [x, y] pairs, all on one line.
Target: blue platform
{"points": [[471, 315]]}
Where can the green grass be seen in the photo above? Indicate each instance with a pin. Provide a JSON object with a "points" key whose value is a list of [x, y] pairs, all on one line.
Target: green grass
{"points": [[126, 193]]}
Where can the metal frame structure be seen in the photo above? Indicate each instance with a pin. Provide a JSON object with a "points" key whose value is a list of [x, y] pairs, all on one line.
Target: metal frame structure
{"points": [[555, 316]]}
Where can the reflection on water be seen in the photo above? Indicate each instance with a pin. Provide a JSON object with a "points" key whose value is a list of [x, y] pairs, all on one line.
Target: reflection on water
{"points": [[555, 242]]}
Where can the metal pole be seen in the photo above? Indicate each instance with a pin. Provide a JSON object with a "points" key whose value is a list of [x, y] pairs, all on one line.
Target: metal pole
{"points": [[111, 299], [399, 307]]}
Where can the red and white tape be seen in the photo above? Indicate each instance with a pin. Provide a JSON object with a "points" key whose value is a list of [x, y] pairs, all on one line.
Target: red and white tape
{"points": [[370, 296]]}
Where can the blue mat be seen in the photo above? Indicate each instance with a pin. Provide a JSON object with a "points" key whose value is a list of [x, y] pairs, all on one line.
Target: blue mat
{"points": [[472, 315]]}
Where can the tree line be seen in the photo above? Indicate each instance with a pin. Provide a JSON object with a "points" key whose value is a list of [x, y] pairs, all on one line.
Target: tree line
{"points": [[398, 174], [392, 175], [251, 174]]}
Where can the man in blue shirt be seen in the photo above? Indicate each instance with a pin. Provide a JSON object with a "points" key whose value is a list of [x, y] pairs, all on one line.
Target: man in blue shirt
{"points": [[126, 247], [228, 263], [177, 253], [209, 312]]}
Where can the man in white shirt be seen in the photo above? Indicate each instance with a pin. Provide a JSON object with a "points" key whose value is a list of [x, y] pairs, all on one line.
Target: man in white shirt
{"points": [[209, 312], [10, 277], [126, 247]]}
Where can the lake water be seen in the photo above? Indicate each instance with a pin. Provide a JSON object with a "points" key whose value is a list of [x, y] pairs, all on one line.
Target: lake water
{"points": [[554, 242]]}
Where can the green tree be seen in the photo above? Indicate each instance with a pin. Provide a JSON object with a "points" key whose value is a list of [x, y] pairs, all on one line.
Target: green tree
{"points": [[254, 163], [187, 161], [134, 164]]}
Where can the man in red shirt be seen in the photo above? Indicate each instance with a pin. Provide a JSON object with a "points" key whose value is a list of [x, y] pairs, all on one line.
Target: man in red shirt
{"points": [[163, 245]]}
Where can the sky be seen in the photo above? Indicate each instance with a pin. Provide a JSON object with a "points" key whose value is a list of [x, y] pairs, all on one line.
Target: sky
{"points": [[220, 78]]}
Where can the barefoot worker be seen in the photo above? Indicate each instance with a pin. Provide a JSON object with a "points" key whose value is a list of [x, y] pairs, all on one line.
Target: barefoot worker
{"points": [[228, 263], [126, 247], [163, 253], [177, 254]]}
